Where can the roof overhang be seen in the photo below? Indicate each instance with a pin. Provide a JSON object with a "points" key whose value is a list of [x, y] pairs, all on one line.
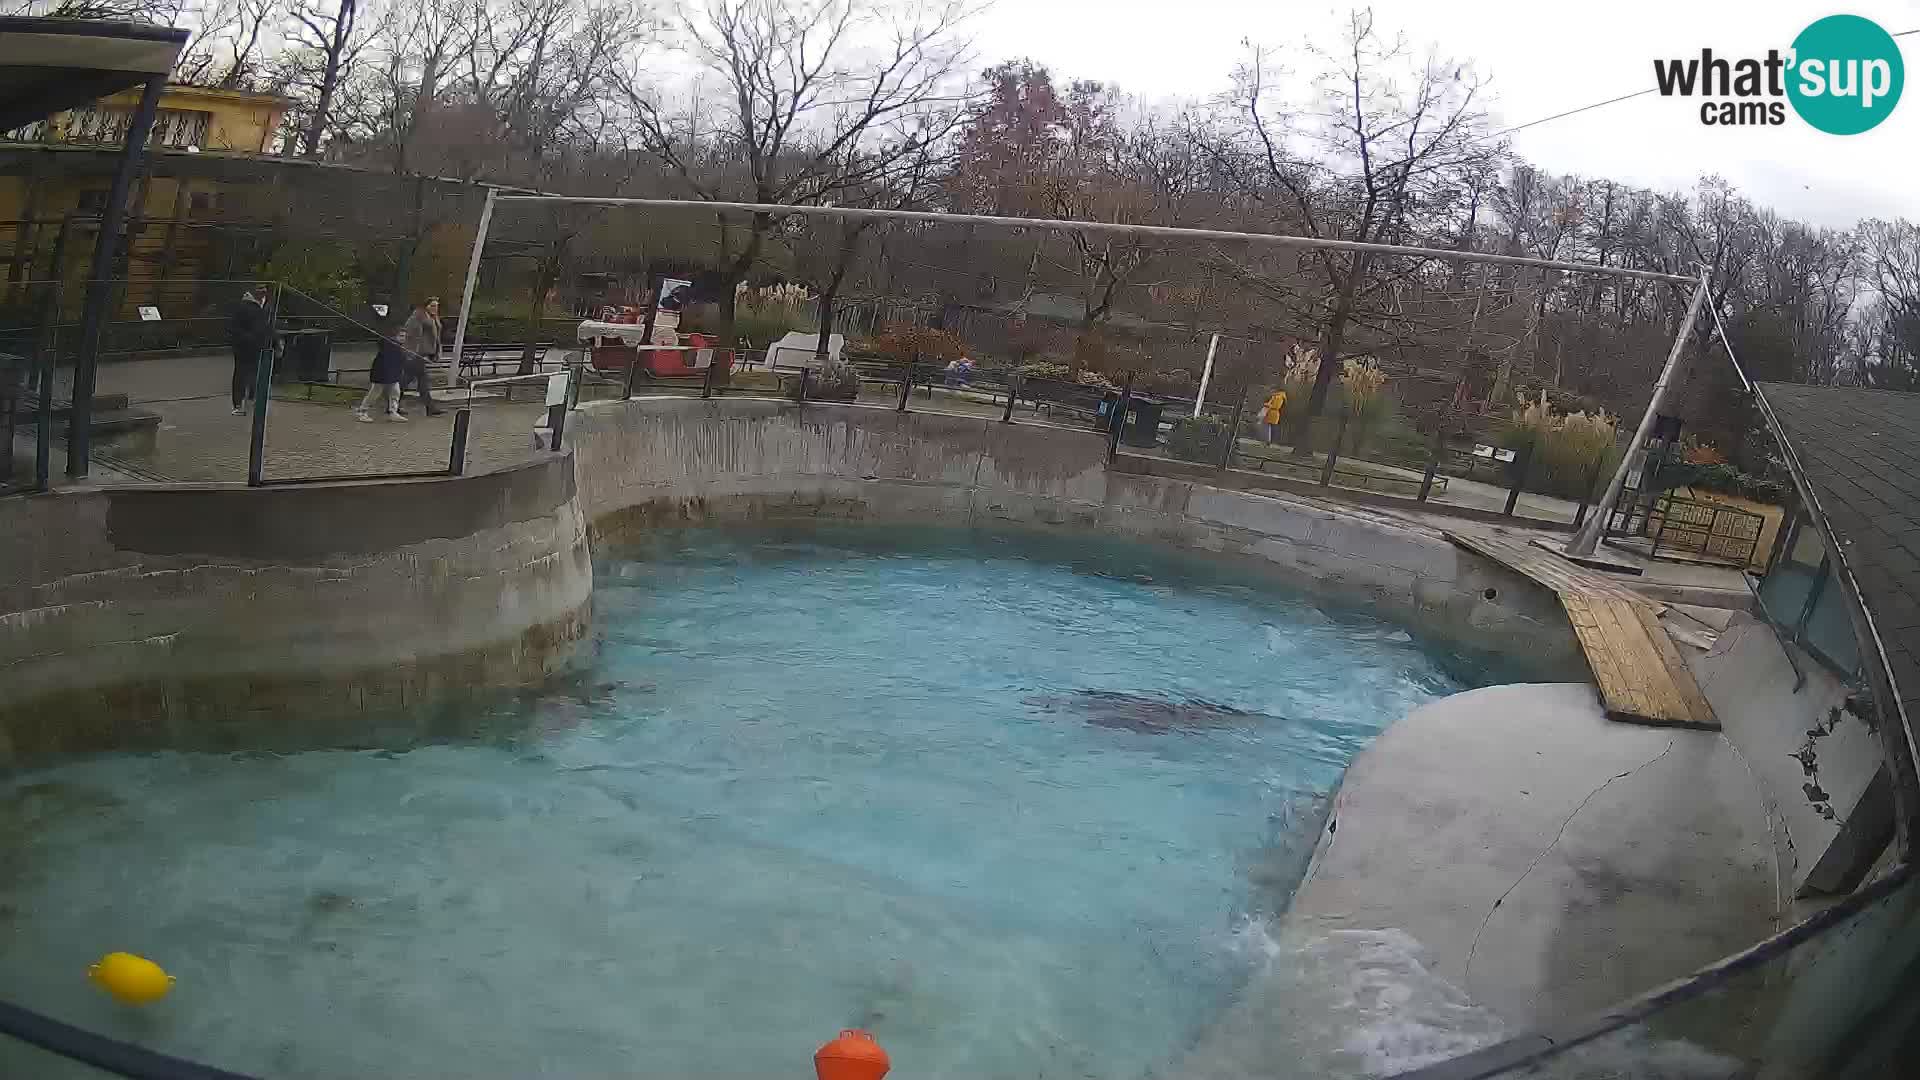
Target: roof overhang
{"points": [[50, 65]]}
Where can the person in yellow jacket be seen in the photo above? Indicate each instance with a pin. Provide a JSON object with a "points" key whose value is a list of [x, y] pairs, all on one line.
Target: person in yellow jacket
{"points": [[1270, 414]]}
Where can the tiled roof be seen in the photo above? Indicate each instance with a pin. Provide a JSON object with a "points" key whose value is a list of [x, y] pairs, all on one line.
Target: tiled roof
{"points": [[1860, 450]]}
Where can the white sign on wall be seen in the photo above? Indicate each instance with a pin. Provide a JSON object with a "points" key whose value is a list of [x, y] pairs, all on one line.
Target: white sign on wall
{"points": [[149, 313]]}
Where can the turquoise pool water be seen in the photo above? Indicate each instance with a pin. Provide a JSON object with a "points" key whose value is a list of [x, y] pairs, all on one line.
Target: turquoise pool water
{"points": [[1019, 808]]}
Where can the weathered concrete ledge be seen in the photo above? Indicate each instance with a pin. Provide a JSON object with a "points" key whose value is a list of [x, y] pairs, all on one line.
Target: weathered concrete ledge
{"points": [[664, 461], [1559, 862], [202, 617]]}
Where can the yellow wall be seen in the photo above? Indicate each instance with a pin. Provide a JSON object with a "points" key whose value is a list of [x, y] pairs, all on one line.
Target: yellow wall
{"points": [[242, 122]]}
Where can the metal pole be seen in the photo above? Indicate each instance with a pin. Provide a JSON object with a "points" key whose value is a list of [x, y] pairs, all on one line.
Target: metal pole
{"points": [[1333, 452], [473, 275], [262, 388], [780, 210], [1586, 493], [1233, 437], [1587, 537], [1520, 465], [106, 250], [1013, 385], [49, 350], [1117, 423], [1206, 375], [1433, 460], [706, 386], [906, 386], [457, 453]]}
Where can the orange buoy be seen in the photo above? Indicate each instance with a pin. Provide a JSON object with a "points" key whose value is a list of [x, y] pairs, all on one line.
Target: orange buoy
{"points": [[852, 1056]]}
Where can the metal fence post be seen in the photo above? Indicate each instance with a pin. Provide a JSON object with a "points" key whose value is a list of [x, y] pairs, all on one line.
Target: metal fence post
{"points": [[806, 378], [457, 453], [1520, 465], [1586, 492], [574, 382], [633, 366], [1233, 437], [1117, 423], [257, 443], [706, 385], [906, 386], [1014, 380], [49, 340], [557, 409], [1433, 459], [1333, 452], [97, 304]]}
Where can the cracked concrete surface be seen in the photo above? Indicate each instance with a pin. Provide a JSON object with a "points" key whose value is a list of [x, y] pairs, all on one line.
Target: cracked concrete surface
{"points": [[1571, 861]]}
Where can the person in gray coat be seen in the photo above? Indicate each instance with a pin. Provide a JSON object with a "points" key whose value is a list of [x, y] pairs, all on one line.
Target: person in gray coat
{"points": [[422, 335]]}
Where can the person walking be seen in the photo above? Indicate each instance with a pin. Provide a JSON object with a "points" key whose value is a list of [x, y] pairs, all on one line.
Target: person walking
{"points": [[250, 332], [383, 382], [1270, 413], [422, 338]]}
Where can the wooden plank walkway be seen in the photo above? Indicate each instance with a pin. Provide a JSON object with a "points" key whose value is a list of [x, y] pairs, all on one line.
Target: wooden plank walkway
{"points": [[1641, 674]]}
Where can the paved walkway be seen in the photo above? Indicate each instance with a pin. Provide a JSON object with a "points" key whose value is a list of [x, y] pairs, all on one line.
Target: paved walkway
{"points": [[200, 440]]}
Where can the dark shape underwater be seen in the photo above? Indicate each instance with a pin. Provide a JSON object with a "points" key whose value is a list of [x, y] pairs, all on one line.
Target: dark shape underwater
{"points": [[1147, 713]]}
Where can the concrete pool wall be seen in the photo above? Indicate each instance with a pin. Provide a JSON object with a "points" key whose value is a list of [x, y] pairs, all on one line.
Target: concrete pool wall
{"points": [[201, 616], [672, 460]]}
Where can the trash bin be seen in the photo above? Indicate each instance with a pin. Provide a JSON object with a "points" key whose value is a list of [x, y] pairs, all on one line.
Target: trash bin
{"points": [[305, 356], [1143, 422]]}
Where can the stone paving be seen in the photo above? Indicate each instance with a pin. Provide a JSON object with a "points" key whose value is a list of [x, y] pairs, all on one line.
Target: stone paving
{"points": [[200, 440]]}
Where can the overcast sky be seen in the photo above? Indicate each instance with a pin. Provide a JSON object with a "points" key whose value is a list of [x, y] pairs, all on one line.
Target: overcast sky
{"points": [[1543, 58]]}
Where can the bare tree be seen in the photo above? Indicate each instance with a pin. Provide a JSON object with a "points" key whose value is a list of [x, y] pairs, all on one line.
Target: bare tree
{"points": [[1890, 253], [324, 30], [1386, 165], [228, 50], [154, 11], [826, 251], [814, 99]]}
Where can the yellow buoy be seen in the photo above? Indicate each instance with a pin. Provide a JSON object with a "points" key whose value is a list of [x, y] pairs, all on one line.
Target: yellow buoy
{"points": [[135, 980]]}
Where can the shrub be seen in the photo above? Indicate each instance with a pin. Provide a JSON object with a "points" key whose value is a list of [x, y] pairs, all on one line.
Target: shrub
{"points": [[1726, 480], [1095, 379], [320, 269], [1198, 438], [830, 382], [1368, 403], [1694, 452], [903, 343], [1564, 451], [1175, 382], [1303, 367], [1044, 369]]}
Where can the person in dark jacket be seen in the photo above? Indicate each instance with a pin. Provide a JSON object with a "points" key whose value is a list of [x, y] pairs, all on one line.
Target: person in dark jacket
{"points": [[422, 335], [383, 382], [250, 332]]}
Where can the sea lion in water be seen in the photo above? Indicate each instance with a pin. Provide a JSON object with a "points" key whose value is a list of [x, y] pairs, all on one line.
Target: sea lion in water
{"points": [[1147, 714]]}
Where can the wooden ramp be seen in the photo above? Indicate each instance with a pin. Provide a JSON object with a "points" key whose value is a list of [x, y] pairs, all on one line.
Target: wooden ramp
{"points": [[1640, 672]]}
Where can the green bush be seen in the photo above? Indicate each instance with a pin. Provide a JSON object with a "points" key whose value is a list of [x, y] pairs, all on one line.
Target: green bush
{"points": [[1198, 438], [322, 270], [1725, 479]]}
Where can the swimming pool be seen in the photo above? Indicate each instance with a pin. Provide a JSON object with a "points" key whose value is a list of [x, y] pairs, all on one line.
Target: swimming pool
{"points": [[1019, 807]]}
